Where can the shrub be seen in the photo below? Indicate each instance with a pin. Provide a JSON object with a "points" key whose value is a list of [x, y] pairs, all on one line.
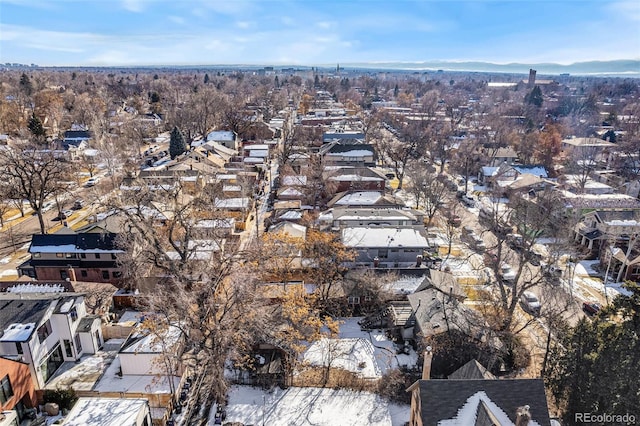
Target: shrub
{"points": [[65, 398]]}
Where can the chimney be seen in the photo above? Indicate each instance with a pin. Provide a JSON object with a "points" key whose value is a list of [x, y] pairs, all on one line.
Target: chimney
{"points": [[523, 416], [426, 364]]}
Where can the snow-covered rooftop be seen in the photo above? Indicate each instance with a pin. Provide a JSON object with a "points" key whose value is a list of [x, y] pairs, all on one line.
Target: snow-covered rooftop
{"points": [[18, 332], [105, 412], [384, 237], [312, 407], [36, 288], [112, 381], [360, 198], [150, 343]]}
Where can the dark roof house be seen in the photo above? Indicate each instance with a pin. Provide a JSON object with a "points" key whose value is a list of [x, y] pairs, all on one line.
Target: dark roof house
{"points": [[478, 402]]}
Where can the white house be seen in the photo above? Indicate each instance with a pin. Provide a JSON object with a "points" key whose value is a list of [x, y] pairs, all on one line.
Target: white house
{"points": [[44, 330]]}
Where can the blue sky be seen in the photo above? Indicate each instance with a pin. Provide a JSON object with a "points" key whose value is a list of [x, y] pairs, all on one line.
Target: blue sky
{"points": [[310, 32]]}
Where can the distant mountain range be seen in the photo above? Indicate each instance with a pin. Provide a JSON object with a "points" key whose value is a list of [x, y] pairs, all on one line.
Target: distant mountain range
{"points": [[621, 68]]}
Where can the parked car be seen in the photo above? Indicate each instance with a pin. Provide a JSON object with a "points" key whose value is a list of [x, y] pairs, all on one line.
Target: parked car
{"points": [[530, 303], [63, 215], [478, 244], [77, 205], [91, 182], [490, 258], [454, 220], [515, 241], [507, 273], [468, 200], [591, 308]]}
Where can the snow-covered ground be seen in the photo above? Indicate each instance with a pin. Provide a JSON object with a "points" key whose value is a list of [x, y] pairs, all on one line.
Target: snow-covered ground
{"points": [[311, 406], [384, 350], [585, 274], [369, 353]]}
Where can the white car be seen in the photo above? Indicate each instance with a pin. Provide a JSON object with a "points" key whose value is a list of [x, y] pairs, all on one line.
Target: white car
{"points": [[530, 303], [91, 182], [507, 273]]}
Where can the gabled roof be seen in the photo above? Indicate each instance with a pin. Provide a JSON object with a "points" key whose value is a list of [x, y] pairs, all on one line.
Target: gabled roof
{"points": [[461, 400], [19, 317], [437, 311], [472, 370]]}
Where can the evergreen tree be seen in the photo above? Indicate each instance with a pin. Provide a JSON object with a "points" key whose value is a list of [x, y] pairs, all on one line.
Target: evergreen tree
{"points": [[177, 144], [534, 97], [276, 82], [25, 84], [35, 126], [206, 78], [594, 368]]}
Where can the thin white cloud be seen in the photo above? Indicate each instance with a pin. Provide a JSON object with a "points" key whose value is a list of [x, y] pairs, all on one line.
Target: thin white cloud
{"points": [[177, 19], [244, 24], [626, 10], [325, 25], [133, 5]]}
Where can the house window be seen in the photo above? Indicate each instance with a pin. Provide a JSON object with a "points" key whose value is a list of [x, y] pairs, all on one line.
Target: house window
{"points": [[44, 331], [19, 348], [68, 348], [354, 300], [73, 313], [83, 273], [367, 298], [83, 255], [69, 255], [383, 253], [105, 275], [64, 274], [78, 343], [36, 255], [116, 274], [6, 391], [60, 255], [97, 255], [113, 256], [635, 270]]}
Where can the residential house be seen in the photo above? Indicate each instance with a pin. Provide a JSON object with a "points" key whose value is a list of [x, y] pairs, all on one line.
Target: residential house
{"points": [[109, 412], [343, 136], [44, 330], [479, 402], [226, 138], [502, 156], [435, 307], [146, 366], [349, 155], [354, 179], [16, 387], [386, 247], [80, 257], [373, 199], [504, 174], [342, 217], [587, 149]]}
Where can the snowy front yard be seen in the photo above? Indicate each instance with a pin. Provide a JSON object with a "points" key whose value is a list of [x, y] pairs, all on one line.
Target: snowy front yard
{"points": [[311, 406]]}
